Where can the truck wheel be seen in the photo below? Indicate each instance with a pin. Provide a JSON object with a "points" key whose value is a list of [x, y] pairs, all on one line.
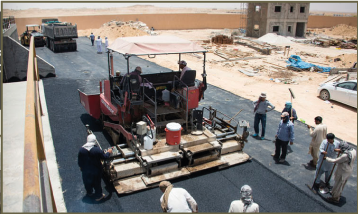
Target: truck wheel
{"points": [[51, 46]]}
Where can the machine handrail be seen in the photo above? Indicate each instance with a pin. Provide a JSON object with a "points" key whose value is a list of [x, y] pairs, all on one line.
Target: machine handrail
{"points": [[155, 99], [186, 99], [35, 164]]}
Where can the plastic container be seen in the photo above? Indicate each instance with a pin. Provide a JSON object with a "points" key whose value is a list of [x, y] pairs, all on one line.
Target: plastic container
{"points": [[148, 143], [166, 95], [173, 133]]}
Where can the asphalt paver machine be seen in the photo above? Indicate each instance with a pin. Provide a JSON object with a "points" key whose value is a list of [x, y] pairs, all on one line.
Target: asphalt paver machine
{"points": [[159, 132]]}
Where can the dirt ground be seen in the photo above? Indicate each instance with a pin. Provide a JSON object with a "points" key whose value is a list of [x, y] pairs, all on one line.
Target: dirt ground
{"points": [[340, 119]]}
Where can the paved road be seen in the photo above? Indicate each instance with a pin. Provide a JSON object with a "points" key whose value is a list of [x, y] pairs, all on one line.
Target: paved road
{"points": [[277, 187]]}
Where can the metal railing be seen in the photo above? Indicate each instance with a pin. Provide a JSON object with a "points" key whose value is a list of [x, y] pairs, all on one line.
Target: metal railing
{"points": [[37, 195], [6, 23]]}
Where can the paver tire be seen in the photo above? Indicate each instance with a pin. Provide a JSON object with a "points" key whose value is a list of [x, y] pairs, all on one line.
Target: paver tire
{"points": [[324, 95]]}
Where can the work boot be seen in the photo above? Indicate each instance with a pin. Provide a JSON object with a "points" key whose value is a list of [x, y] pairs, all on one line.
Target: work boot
{"points": [[332, 200], [100, 198], [282, 160], [255, 135]]}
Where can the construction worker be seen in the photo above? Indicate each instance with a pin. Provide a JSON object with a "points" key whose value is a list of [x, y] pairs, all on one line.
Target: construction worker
{"points": [[344, 170], [261, 107], [106, 44], [182, 65], [246, 203], [92, 38], [288, 108], [318, 134], [328, 148], [89, 161], [99, 45], [175, 200], [285, 134]]}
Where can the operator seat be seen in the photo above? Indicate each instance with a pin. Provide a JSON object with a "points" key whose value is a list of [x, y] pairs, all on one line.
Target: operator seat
{"points": [[189, 77]]}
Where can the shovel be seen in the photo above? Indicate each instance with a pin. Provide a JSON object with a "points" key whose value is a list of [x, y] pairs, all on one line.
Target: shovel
{"points": [[228, 121], [319, 169]]}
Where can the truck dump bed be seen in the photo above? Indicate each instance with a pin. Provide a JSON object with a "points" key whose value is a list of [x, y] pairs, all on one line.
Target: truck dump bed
{"points": [[59, 31]]}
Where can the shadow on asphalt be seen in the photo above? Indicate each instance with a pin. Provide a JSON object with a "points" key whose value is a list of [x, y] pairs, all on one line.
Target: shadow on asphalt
{"points": [[342, 201]]}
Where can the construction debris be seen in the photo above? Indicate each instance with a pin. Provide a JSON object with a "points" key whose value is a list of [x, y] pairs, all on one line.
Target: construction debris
{"points": [[255, 44], [221, 39]]}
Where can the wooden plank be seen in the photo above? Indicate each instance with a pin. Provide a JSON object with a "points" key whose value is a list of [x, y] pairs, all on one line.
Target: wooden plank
{"points": [[247, 73], [164, 177], [129, 185], [274, 64], [200, 147], [234, 158], [231, 146], [208, 165], [161, 156]]}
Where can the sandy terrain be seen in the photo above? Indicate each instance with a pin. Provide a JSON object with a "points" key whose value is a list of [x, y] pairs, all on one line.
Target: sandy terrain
{"points": [[340, 119]]}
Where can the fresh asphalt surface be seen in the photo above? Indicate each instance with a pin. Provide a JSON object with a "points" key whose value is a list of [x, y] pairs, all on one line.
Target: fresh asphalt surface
{"points": [[276, 187]]}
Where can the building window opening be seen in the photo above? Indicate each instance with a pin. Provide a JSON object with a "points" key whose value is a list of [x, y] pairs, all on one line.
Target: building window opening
{"points": [[257, 8], [275, 28], [302, 9], [277, 9], [291, 9], [289, 29], [256, 27]]}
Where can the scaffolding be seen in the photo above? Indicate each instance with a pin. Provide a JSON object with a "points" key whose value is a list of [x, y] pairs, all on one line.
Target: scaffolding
{"points": [[243, 8]]}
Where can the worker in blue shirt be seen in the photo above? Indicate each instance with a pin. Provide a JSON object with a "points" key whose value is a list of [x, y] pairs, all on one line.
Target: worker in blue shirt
{"points": [[285, 134], [89, 161], [92, 38]]}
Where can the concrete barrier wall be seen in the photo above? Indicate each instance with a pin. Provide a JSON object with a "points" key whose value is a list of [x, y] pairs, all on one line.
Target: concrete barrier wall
{"points": [[16, 60], [180, 21], [158, 21], [330, 21], [12, 32]]}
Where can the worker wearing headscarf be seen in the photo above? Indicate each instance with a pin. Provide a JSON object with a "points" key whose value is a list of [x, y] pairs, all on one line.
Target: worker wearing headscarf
{"points": [[99, 45], [344, 170], [261, 107], [328, 148], [176, 199], [288, 108], [106, 44], [285, 134], [89, 161], [246, 203], [318, 134]]}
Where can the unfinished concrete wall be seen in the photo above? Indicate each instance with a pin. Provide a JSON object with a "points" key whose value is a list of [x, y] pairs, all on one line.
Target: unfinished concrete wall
{"points": [[15, 58], [158, 21], [256, 19], [282, 18]]}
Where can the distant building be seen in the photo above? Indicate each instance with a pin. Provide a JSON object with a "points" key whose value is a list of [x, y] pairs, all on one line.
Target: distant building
{"points": [[286, 19]]}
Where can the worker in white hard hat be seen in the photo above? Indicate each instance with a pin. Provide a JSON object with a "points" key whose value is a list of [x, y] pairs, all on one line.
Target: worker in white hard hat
{"points": [[176, 200], [246, 203], [89, 161], [183, 67]]}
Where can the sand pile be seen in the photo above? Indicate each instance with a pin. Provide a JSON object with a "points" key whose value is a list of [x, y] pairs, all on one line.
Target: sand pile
{"points": [[346, 60], [342, 29], [115, 29], [274, 39]]}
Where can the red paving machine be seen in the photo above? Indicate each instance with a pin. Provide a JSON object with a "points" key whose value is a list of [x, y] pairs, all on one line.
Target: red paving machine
{"points": [[158, 130]]}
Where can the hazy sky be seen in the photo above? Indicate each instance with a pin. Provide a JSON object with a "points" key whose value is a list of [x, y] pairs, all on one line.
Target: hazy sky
{"points": [[334, 7]]}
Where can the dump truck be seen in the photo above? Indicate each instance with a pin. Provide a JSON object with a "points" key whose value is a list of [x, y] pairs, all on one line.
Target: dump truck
{"points": [[32, 31], [158, 129], [59, 35]]}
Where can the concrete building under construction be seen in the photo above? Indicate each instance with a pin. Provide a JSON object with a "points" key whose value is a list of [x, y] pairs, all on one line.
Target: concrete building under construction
{"points": [[286, 19]]}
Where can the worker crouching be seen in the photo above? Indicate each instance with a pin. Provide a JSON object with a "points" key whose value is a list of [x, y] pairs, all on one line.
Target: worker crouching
{"points": [[176, 200], [246, 203]]}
